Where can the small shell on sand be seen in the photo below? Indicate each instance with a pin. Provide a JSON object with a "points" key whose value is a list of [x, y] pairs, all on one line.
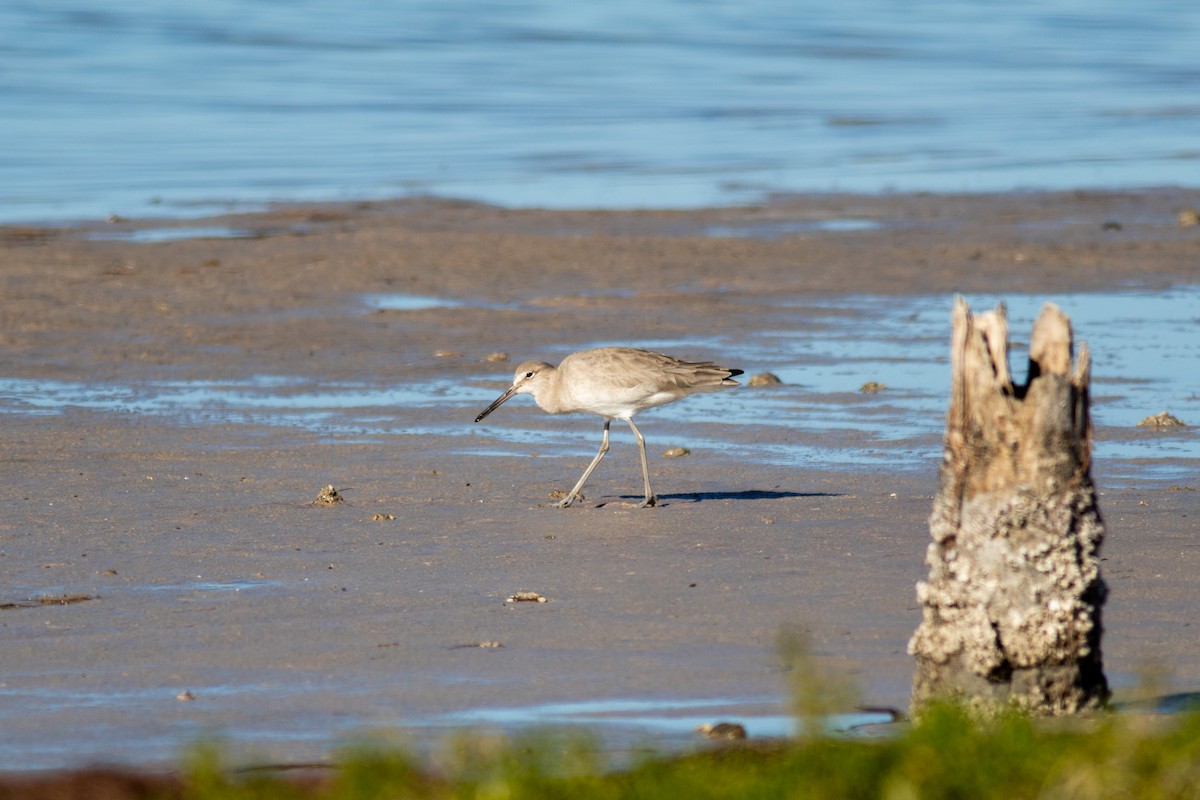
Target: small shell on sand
{"points": [[728, 731], [872, 387], [525, 597], [764, 379], [1162, 420], [329, 496], [676, 452], [1189, 217], [496, 357]]}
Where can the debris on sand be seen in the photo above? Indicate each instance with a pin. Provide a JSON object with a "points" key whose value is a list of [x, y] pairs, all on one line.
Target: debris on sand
{"points": [[379, 516], [764, 379], [477, 646], [726, 731], [559, 494], [525, 597], [872, 387], [185, 696], [1188, 218], [1162, 420], [329, 496], [498, 356], [62, 599], [49, 600], [676, 452]]}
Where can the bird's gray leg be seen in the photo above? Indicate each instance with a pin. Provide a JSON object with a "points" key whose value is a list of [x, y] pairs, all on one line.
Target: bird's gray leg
{"points": [[574, 495], [650, 500]]}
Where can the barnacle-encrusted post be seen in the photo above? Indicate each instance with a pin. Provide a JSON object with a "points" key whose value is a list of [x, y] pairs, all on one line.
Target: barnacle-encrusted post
{"points": [[1011, 609]]}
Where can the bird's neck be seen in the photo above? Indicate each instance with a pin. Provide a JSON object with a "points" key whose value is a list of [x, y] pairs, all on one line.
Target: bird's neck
{"points": [[552, 397]]}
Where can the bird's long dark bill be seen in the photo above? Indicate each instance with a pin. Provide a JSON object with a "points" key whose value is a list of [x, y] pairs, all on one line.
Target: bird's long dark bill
{"points": [[499, 401]]}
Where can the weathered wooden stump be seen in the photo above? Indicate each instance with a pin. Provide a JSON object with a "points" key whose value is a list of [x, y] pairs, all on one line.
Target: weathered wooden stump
{"points": [[1011, 609]]}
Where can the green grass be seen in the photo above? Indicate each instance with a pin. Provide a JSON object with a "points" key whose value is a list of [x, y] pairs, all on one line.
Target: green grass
{"points": [[947, 754]]}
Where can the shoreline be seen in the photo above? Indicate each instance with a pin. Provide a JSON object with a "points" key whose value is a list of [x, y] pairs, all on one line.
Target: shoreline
{"points": [[187, 212], [208, 570]]}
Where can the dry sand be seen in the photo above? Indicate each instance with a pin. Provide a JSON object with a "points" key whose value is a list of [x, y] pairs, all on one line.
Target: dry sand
{"points": [[199, 563]]}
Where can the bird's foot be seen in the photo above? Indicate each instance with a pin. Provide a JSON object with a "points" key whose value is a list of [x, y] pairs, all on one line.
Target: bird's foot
{"points": [[649, 502], [564, 498]]}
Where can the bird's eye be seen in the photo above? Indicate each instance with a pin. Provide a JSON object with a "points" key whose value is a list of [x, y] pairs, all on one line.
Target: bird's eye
{"points": [[528, 374]]}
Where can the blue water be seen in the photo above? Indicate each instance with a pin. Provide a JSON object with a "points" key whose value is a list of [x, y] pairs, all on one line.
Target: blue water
{"points": [[140, 107]]}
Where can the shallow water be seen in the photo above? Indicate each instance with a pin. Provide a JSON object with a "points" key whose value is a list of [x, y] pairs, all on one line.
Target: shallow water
{"points": [[1146, 356], [140, 727], [666, 719], [622, 725], [169, 234], [136, 107], [395, 301]]}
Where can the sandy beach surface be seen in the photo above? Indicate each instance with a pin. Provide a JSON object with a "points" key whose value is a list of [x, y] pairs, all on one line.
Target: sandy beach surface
{"points": [[166, 576]]}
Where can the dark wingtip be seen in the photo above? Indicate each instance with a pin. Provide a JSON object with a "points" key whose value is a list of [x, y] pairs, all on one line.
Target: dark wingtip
{"points": [[733, 373]]}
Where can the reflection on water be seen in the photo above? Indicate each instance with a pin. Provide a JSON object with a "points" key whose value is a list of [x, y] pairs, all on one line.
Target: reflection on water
{"points": [[778, 229], [205, 587], [407, 302], [150, 235], [1145, 349]]}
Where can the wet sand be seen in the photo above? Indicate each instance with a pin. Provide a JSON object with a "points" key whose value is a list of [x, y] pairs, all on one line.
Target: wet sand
{"points": [[196, 562]]}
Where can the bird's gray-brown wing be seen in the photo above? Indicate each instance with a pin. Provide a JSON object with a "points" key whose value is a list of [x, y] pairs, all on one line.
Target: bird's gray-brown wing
{"points": [[656, 372]]}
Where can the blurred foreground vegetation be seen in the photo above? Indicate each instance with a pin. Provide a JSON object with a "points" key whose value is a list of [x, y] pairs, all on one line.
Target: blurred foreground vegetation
{"points": [[947, 754]]}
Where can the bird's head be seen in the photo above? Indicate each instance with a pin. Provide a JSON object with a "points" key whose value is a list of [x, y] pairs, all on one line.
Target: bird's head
{"points": [[529, 378]]}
